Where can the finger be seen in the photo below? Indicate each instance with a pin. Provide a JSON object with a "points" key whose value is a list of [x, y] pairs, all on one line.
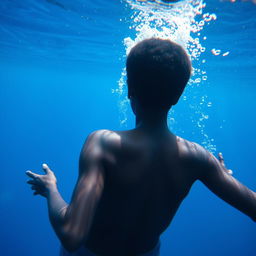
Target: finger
{"points": [[221, 159], [36, 187], [230, 172], [31, 182], [37, 191], [221, 156], [46, 168], [32, 175]]}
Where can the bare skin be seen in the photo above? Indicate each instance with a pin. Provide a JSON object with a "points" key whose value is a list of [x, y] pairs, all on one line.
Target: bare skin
{"points": [[131, 184]]}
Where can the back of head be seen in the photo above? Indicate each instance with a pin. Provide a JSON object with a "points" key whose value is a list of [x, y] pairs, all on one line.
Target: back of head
{"points": [[157, 72]]}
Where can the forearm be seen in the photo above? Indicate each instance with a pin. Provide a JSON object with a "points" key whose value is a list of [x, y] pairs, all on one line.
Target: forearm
{"points": [[57, 208], [252, 204]]}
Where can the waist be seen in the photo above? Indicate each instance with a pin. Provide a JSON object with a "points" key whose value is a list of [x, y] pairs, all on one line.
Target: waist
{"points": [[83, 251]]}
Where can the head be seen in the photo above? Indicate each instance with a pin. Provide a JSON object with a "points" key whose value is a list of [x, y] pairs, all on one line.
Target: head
{"points": [[157, 73]]}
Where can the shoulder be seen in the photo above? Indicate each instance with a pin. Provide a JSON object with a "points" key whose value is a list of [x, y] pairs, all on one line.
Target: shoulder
{"points": [[103, 138], [193, 154], [201, 160], [92, 152], [97, 142], [189, 148]]}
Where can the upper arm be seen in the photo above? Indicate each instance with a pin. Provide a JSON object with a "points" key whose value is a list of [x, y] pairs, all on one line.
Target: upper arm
{"points": [[225, 186], [87, 192]]}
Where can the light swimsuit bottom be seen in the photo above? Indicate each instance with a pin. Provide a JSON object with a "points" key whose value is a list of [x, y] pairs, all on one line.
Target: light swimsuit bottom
{"points": [[82, 251]]}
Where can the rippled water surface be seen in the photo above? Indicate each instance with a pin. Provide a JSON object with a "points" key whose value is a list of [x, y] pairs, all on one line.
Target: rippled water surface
{"points": [[85, 30]]}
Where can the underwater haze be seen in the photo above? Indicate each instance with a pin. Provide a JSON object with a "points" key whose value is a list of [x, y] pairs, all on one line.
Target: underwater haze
{"points": [[62, 76]]}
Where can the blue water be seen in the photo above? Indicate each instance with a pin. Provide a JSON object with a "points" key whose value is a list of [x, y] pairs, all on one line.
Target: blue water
{"points": [[60, 61]]}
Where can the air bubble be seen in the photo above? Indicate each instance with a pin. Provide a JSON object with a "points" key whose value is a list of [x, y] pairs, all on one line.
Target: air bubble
{"points": [[225, 54], [215, 52]]}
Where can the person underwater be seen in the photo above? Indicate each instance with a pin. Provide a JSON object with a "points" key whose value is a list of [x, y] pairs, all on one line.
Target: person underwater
{"points": [[131, 183]]}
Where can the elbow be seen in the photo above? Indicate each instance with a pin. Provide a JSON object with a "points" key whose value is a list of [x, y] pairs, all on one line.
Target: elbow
{"points": [[72, 237], [72, 242], [71, 245]]}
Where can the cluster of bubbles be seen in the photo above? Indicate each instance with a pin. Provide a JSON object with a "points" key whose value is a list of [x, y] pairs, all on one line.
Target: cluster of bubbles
{"points": [[182, 23]]}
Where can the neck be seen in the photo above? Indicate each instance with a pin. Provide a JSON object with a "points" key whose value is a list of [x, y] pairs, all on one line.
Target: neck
{"points": [[153, 121]]}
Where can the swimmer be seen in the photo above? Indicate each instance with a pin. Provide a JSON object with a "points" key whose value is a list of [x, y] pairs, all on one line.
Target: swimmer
{"points": [[131, 183]]}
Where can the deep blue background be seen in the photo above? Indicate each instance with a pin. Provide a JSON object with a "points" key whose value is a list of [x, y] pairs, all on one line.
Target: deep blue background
{"points": [[56, 76]]}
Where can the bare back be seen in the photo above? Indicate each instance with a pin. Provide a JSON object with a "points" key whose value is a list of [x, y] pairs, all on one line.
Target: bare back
{"points": [[147, 178]]}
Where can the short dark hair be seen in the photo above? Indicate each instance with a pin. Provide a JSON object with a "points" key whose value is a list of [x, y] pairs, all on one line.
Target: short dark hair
{"points": [[157, 72]]}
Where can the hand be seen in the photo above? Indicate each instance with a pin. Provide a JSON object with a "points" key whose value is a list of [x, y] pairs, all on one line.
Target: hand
{"points": [[42, 184], [221, 159]]}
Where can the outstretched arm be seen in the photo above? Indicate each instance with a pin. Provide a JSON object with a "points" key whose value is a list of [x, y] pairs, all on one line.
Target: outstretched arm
{"points": [[72, 222], [218, 179]]}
